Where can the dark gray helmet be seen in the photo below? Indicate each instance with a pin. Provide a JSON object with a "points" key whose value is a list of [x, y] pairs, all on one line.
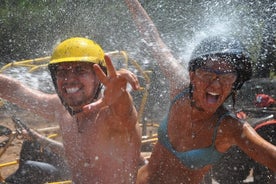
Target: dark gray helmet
{"points": [[224, 47]]}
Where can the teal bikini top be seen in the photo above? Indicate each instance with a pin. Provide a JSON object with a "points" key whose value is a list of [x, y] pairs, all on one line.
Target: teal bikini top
{"points": [[192, 159]]}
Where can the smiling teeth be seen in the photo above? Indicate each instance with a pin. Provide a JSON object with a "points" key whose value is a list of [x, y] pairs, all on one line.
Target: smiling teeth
{"points": [[71, 90], [212, 93]]}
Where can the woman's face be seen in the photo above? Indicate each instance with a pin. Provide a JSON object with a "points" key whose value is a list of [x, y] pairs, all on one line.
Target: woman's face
{"points": [[212, 84]]}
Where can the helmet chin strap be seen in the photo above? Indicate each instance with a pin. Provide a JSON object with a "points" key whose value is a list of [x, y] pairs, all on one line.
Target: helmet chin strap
{"points": [[72, 112]]}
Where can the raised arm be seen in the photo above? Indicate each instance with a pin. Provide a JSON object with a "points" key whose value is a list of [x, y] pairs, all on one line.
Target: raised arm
{"points": [[255, 146], [176, 73], [30, 99]]}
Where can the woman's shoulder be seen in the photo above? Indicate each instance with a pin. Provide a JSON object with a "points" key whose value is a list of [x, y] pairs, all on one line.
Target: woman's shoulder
{"points": [[230, 116]]}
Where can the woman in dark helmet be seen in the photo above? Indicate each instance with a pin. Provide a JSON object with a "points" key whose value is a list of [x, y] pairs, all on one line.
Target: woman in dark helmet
{"points": [[231, 52], [198, 129]]}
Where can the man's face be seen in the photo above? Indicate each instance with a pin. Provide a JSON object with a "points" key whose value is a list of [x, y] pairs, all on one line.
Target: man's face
{"points": [[77, 83]]}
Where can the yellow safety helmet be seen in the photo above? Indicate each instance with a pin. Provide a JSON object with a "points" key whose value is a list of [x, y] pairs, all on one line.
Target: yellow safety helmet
{"points": [[78, 49]]}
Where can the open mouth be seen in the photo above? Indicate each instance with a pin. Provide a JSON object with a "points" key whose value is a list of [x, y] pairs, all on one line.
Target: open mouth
{"points": [[212, 97], [71, 90]]}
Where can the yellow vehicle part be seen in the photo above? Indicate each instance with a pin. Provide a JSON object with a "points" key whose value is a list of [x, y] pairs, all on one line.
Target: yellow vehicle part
{"points": [[61, 182], [7, 164], [2, 102], [33, 64]]}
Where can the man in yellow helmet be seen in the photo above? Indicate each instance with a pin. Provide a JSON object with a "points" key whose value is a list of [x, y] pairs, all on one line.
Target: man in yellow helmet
{"points": [[101, 139], [82, 52]]}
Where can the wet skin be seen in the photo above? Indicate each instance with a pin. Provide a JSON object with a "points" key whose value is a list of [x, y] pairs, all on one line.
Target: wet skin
{"points": [[76, 83], [184, 119], [212, 85], [105, 147], [102, 141]]}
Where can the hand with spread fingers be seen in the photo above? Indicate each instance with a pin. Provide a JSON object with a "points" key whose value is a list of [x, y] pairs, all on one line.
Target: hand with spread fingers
{"points": [[115, 83]]}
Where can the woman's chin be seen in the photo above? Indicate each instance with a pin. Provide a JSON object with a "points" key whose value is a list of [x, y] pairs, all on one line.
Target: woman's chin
{"points": [[211, 106]]}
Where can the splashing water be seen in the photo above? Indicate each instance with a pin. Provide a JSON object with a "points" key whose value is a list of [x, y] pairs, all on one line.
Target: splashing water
{"points": [[40, 80], [182, 24]]}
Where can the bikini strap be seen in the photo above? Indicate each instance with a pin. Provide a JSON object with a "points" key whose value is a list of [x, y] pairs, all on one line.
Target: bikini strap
{"points": [[163, 127], [216, 127], [228, 113], [180, 95]]}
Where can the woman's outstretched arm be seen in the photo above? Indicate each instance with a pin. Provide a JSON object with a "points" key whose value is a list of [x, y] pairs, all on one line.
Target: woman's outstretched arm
{"points": [[176, 73]]}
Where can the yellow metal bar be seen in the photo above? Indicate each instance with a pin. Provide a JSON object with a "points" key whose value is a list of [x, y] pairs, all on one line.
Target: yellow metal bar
{"points": [[52, 136], [149, 137], [37, 67], [149, 140], [8, 164], [2, 102], [144, 74], [61, 182], [119, 53], [139, 68], [142, 105], [145, 95], [33, 63], [42, 59], [23, 64], [151, 125], [5, 67], [26, 63], [125, 56]]}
